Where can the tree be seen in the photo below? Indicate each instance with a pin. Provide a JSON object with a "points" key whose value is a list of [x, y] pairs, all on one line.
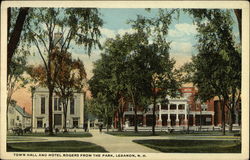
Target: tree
{"points": [[71, 77], [104, 82], [160, 76], [217, 67], [202, 14], [135, 67], [14, 31], [103, 109], [53, 30], [16, 79]]}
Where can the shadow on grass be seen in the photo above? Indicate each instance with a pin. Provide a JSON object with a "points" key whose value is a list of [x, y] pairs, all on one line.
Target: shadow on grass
{"points": [[54, 146], [192, 146]]}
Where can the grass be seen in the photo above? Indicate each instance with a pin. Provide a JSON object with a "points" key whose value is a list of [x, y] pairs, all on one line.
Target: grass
{"points": [[192, 146], [55, 146], [69, 134], [149, 133]]}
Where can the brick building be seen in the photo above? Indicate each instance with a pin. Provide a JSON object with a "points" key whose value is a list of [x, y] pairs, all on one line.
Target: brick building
{"points": [[176, 112]]}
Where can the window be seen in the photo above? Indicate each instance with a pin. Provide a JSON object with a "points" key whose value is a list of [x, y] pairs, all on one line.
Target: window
{"points": [[57, 119], [164, 106], [172, 106], [204, 107], [181, 106], [17, 117], [42, 105], [39, 123], [75, 122], [57, 104], [72, 106]]}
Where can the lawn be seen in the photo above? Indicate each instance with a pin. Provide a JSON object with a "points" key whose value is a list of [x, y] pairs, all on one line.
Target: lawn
{"points": [[55, 146], [192, 146], [149, 133], [69, 134]]}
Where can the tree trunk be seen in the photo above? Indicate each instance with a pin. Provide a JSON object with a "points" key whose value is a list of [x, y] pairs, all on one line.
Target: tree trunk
{"points": [[223, 118], [107, 119], [65, 117], [119, 120], [51, 89], [135, 110], [16, 33], [135, 120], [231, 119], [154, 118]]}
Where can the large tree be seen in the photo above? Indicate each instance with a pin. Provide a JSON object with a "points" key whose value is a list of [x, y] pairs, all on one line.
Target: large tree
{"points": [[216, 69], [106, 83], [160, 75], [71, 78], [102, 108], [54, 29]]}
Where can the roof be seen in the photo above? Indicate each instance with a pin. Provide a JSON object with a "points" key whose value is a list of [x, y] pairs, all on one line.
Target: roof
{"points": [[43, 89], [22, 111]]}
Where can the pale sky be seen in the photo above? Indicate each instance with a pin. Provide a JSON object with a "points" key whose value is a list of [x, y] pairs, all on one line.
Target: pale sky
{"points": [[182, 33]]}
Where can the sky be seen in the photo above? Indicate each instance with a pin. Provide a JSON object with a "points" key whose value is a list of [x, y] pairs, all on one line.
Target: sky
{"points": [[182, 34]]}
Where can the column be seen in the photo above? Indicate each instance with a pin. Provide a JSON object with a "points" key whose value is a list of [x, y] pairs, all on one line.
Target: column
{"points": [[81, 105], [185, 112], [194, 119], [144, 120], [236, 116], [34, 111], [159, 120], [177, 115], [123, 120], [212, 120], [88, 125], [169, 120]]}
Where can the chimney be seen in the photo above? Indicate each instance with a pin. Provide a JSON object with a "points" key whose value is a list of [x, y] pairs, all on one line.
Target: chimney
{"points": [[23, 109]]}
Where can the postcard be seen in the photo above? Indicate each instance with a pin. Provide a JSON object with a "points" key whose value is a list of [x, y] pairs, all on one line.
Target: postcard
{"points": [[124, 80]]}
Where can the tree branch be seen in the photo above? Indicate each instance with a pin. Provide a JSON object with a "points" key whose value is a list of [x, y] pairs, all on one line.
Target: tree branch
{"points": [[40, 53]]}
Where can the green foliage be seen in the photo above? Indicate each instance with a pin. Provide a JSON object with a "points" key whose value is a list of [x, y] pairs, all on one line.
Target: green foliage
{"points": [[16, 78], [102, 108], [218, 64], [135, 65], [216, 70]]}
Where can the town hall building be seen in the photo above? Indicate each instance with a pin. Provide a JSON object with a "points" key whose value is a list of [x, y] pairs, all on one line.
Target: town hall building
{"points": [[75, 111]]}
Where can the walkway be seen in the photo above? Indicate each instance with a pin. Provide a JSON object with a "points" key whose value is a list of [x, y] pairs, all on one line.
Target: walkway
{"points": [[112, 143], [122, 144]]}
